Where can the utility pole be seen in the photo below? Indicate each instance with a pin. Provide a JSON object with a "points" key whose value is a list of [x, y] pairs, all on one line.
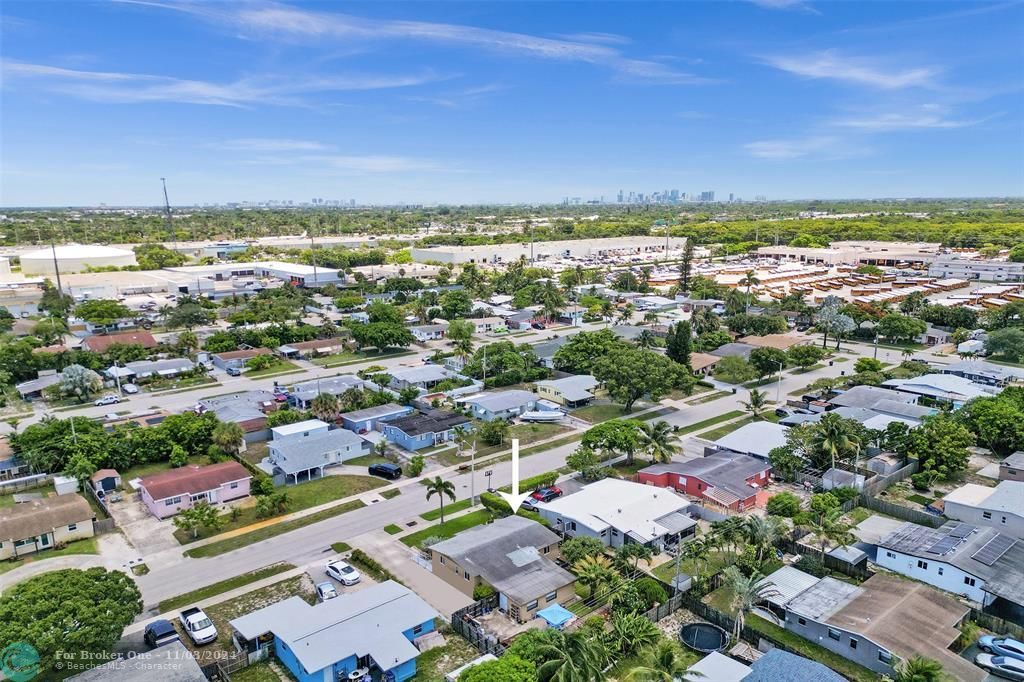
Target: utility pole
{"points": [[167, 214], [56, 266]]}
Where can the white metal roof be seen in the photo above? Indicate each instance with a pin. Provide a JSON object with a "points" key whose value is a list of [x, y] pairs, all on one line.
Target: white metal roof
{"points": [[299, 427], [626, 506]]}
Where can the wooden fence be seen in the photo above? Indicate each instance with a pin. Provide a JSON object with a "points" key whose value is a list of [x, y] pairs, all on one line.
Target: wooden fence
{"points": [[997, 624], [880, 482], [901, 512], [465, 623]]}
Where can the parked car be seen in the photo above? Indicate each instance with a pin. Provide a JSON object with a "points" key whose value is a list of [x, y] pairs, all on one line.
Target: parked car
{"points": [[343, 572], [546, 494], [198, 625], [1010, 668], [280, 397], [325, 591], [538, 325], [386, 470], [130, 389], [107, 400], [1002, 646], [160, 632], [779, 412], [233, 372]]}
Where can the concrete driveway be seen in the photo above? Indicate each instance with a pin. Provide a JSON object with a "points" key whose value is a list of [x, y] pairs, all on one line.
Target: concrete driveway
{"points": [[147, 533]]}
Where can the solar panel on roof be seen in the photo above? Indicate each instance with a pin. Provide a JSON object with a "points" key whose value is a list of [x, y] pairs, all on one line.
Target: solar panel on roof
{"points": [[944, 545], [958, 529], [993, 549]]}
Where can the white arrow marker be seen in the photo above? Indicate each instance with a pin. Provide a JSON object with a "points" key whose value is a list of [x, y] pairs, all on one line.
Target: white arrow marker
{"points": [[514, 498]]}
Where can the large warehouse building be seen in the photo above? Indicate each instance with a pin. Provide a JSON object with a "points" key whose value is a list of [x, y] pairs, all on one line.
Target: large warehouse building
{"points": [[580, 248], [74, 258]]}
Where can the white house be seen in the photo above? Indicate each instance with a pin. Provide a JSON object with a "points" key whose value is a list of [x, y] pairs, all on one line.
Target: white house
{"points": [[1001, 507], [299, 429], [756, 439]]}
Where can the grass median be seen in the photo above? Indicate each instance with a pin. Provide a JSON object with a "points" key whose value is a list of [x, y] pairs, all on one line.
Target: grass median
{"points": [[223, 586], [272, 530], [449, 528]]}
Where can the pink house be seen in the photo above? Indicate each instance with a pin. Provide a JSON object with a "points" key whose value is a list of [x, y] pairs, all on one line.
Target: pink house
{"points": [[168, 493]]}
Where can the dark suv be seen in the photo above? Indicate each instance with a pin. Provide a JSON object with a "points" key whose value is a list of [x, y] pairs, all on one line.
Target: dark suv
{"points": [[389, 471]]}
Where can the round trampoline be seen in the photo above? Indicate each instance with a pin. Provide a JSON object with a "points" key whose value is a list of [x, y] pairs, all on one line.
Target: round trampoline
{"points": [[703, 637]]}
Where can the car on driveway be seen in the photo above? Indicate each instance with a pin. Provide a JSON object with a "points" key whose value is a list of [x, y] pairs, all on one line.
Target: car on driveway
{"points": [[386, 470], [160, 632], [538, 325], [233, 372], [1010, 668], [325, 591], [546, 494], [343, 572], [107, 400], [1002, 646]]}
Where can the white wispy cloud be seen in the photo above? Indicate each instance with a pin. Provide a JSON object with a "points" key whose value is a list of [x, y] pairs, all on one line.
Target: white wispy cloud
{"points": [[832, 65], [136, 88], [817, 146], [265, 144], [348, 163], [801, 5], [294, 23], [903, 121], [596, 37]]}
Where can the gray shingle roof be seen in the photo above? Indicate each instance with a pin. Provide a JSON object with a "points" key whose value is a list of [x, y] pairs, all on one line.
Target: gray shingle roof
{"points": [[374, 412], [867, 396], [781, 666], [298, 454], [726, 470], [500, 400]]}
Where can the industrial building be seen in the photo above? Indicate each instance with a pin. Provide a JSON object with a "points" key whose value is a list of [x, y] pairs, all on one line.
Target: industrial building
{"points": [[582, 248], [74, 258]]}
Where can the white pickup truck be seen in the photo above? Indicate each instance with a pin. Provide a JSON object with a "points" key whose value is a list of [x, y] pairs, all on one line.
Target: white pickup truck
{"points": [[198, 625]]}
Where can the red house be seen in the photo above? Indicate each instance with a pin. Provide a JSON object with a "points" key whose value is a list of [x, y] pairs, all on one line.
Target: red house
{"points": [[727, 479]]}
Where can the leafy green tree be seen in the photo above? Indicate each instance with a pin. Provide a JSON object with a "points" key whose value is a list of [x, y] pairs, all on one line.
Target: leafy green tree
{"points": [[442, 488], [613, 438], [679, 342], [455, 304], [381, 335], [102, 312], [940, 444], [493, 432], [998, 422], [630, 374], [189, 315], [585, 461], [900, 328], [662, 662], [577, 548], [1007, 342], [867, 365], [508, 668], [69, 611], [50, 330], [734, 370], [1016, 254], [80, 382], [805, 356], [579, 354], [783, 504], [53, 302]]}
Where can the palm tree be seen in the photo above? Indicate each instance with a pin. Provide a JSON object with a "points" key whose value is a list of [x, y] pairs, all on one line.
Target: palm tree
{"points": [[626, 313], [730, 531], [762, 532], [919, 669], [632, 632], [650, 317], [462, 438], [697, 551], [228, 436], [658, 440], [325, 406], [830, 529], [594, 572], [756, 403], [664, 662], [464, 347], [645, 340], [442, 488], [747, 592], [351, 399], [572, 657], [607, 310], [552, 301], [749, 280], [833, 439]]}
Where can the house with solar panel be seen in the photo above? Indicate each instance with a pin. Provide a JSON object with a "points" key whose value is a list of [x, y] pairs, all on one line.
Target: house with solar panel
{"points": [[976, 562]]}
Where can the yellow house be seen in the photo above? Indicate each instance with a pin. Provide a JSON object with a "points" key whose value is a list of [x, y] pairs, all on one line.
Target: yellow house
{"points": [[574, 391], [43, 524]]}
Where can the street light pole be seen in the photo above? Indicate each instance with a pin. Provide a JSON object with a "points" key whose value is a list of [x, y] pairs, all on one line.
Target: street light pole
{"points": [[778, 384]]}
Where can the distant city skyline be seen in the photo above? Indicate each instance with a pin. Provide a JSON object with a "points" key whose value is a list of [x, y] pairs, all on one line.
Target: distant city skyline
{"points": [[497, 103]]}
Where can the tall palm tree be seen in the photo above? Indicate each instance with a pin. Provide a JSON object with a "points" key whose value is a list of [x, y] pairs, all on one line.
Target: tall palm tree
{"points": [[730, 531], [442, 488], [552, 301], [833, 439], [626, 313], [462, 438], [697, 551], [351, 400], [829, 530], [756, 402], [749, 280], [658, 440], [464, 347], [325, 406], [645, 340], [607, 311], [664, 662], [919, 669], [762, 532], [572, 657], [594, 572], [632, 632], [747, 592]]}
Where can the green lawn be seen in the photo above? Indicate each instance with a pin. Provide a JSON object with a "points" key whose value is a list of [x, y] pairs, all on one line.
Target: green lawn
{"points": [[388, 494], [223, 586], [810, 650], [709, 422], [449, 528], [392, 529], [342, 359], [279, 367], [432, 665], [238, 541], [726, 429], [341, 547], [176, 385], [596, 414], [224, 612], [435, 514], [761, 382], [8, 500], [367, 460], [920, 499], [526, 433], [151, 468], [708, 398], [715, 562], [721, 599], [257, 672], [301, 496], [85, 546]]}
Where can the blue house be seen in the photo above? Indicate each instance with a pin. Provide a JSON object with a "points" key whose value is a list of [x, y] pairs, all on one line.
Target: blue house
{"points": [[418, 431], [362, 421], [504, 404], [374, 630]]}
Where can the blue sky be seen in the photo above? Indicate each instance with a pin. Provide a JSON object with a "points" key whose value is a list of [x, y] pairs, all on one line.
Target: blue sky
{"points": [[390, 102]]}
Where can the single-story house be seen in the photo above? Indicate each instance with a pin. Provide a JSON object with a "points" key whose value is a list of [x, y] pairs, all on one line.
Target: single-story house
{"points": [[375, 628], [420, 376], [944, 388], [500, 404], [781, 342], [314, 348], [302, 393], [933, 336], [756, 439], [11, 464], [618, 512], [167, 493], [236, 359], [428, 332], [515, 556], [983, 372], [719, 667], [980, 564], [725, 478], [45, 523], [781, 666], [1012, 468], [571, 314], [248, 409], [689, 305], [879, 622], [29, 390], [305, 456], [1001, 507], [486, 325], [868, 396], [734, 349], [424, 430], [655, 303], [171, 367], [300, 429], [703, 363], [99, 343], [574, 391], [372, 418], [106, 480]]}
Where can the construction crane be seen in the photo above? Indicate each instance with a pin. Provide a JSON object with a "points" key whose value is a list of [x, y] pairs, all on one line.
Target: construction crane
{"points": [[167, 213]]}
